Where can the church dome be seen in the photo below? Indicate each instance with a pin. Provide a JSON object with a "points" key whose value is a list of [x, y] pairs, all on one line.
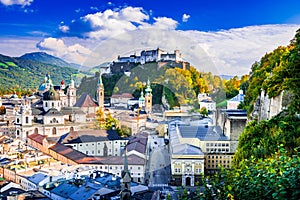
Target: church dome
{"points": [[42, 87], [51, 95]]}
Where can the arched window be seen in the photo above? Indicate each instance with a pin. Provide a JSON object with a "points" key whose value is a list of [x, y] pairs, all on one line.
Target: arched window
{"points": [[52, 104], [46, 104], [18, 132], [26, 120], [54, 131], [36, 130], [72, 129]]}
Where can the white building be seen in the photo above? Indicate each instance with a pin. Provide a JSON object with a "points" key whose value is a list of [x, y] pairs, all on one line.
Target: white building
{"points": [[96, 142], [235, 101]]}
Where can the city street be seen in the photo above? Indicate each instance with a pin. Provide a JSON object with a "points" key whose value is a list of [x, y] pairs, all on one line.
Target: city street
{"points": [[159, 168]]}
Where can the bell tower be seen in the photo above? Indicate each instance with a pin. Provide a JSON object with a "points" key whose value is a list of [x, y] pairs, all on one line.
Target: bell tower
{"points": [[100, 92], [148, 98], [71, 93]]}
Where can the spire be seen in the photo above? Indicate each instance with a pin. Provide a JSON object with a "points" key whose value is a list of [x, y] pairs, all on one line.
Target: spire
{"points": [[100, 79], [126, 179], [148, 88], [126, 162]]}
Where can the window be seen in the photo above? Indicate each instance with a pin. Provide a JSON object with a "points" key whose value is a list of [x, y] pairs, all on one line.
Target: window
{"points": [[177, 170], [198, 170], [98, 151], [93, 152], [27, 120], [87, 152]]}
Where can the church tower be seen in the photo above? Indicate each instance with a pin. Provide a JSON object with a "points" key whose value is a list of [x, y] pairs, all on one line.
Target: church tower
{"points": [[125, 181], [71, 93], [148, 98], [100, 92]]}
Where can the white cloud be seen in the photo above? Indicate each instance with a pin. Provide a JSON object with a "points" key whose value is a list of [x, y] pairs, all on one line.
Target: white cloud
{"points": [[16, 2], [57, 47], [165, 23], [108, 23], [64, 28], [222, 52], [185, 17], [17, 46]]}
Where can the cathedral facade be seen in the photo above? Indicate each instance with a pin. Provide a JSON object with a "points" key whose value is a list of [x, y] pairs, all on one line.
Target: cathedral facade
{"points": [[53, 114]]}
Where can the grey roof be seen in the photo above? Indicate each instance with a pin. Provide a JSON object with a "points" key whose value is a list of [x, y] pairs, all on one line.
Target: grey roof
{"points": [[236, 112], [65, 190], [186, 149], [85, 101], [209, 133], [239, 98], [83, 192], [138, 143], [37, 111], [71, 110], [53, 112], [91, 136], [37, 178]]}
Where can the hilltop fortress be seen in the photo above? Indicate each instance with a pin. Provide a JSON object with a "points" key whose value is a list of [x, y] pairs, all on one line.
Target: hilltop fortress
{"points": [[125, 64]]}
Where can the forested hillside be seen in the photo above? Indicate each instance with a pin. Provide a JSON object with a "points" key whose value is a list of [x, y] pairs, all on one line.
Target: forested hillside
{"points": [[179, 86], [267, 162], [21, 75]]}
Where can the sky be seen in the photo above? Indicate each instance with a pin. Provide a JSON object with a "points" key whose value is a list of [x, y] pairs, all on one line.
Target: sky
{"points": [[221, 36]]}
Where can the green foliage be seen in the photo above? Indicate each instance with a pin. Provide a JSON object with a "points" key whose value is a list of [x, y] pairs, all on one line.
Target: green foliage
{"points": [[276, 72], [261, 139], [203, 111], [22, 74], [277, 177], [2, 110]]}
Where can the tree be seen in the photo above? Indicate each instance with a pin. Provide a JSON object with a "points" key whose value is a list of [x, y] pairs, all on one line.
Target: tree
{"points": [[277, 177], [100, 119], [2, 110], [203, 111]]}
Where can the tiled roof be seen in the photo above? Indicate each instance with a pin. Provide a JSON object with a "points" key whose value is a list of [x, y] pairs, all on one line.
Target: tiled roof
{"points": [[91, 136], [112, 160], [85, 101], [37, 178], [37, 137], [138, 143], [71, 110], [186, 149], [209, 133], [53, 112], [67, 152], [123, 95]]}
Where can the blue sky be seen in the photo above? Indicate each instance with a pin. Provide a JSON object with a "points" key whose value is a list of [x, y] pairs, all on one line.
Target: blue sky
{"points": [[70, 28]]}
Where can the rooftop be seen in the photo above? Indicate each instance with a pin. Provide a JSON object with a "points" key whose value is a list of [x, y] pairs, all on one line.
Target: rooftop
{"points": [[204, 133]]}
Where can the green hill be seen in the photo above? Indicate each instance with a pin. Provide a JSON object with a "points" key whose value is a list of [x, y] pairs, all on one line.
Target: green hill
{"points": [[28, 74]]}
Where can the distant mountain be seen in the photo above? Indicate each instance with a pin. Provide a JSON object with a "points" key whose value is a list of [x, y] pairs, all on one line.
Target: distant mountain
{"points": [[45, 58], [226, 77], [26, 73]]}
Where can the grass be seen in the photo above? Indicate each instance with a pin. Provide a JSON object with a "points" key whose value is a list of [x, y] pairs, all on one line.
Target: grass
{"points": [[11, 64], [4, 66], [222, 104]]}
